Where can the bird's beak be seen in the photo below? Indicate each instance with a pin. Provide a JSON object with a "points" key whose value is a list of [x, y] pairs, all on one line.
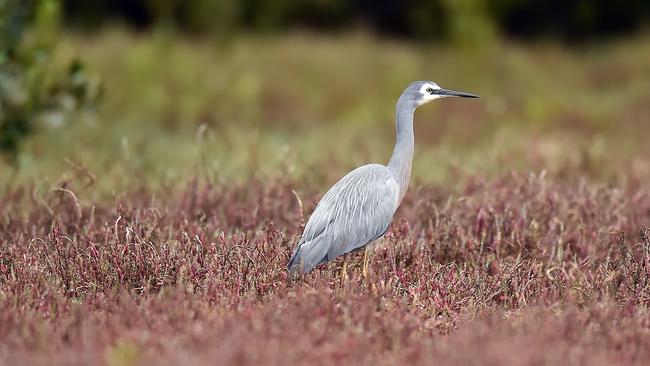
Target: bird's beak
{"points": [[453, 93]]}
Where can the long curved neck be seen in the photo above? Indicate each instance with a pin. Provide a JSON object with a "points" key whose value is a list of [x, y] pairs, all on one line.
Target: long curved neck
{"points": [[402, 159]]}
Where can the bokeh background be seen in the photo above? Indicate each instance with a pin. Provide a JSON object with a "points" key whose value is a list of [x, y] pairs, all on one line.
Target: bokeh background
{"points": [[154, 93]]}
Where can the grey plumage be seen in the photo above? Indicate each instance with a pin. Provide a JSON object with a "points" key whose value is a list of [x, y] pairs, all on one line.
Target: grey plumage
{"points": [[359, 208]]}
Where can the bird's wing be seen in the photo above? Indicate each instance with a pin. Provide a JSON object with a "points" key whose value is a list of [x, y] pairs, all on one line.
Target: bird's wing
{"points": [[354, 212]]}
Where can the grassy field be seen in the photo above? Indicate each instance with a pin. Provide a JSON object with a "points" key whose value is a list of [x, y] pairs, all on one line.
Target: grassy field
{"points": [[157, 227], [177, 108]]}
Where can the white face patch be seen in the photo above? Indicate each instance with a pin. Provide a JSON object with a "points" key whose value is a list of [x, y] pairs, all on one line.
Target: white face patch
{"points": [[426, 96]]}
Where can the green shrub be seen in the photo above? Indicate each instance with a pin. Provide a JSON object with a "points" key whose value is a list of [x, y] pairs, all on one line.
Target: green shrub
{"points": [[31, 91]]}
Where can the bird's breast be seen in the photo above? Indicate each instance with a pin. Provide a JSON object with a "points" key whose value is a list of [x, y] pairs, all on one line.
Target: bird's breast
{"points": [[393, 186]]}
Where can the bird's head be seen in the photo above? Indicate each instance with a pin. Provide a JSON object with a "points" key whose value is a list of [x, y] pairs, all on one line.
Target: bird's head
{"points": [[422, 92]]}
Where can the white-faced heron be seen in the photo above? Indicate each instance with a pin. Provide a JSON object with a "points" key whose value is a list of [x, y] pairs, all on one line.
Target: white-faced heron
{"points": [[358, 208]]}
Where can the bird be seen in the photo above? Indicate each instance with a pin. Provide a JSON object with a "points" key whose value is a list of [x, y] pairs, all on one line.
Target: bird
{"points": [[359, 208]]}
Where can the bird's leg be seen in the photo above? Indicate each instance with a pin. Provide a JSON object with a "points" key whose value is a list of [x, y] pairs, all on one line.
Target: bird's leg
{"points": [[364, 271], [344, 269]]}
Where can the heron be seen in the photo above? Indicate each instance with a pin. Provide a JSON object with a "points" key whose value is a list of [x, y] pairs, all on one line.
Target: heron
{"points": [[358, 209]]}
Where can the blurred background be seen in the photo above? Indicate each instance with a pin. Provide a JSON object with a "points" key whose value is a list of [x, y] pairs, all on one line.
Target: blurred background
{"points": [[118, 95]]}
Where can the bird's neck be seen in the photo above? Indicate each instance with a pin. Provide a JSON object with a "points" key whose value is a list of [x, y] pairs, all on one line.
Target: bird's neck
{"points": [[400, 162]]}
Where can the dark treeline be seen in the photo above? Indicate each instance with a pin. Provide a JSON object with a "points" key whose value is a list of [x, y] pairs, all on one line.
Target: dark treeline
{"points": [[572, 19]]}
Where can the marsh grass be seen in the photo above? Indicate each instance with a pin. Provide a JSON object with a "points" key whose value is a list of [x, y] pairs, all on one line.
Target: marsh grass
{"points": [[502, 273]]}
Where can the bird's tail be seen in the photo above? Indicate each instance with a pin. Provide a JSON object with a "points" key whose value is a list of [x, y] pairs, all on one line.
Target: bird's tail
{"points": [[307, 256], [292, 266]]}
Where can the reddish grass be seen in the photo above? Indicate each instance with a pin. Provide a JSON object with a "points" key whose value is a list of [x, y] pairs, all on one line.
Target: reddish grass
{"points": [[518, 270]]}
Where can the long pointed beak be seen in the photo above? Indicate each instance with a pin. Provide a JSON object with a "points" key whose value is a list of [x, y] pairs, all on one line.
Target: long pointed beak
{"points": [[453, 93]]}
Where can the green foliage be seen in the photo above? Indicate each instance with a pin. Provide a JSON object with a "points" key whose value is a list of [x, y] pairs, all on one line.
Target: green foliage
{"points": [[469, 22], [465, 21], [225, 16], [31, 91]]}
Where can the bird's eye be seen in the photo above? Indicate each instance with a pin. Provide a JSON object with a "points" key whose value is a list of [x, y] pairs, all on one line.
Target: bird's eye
{"points": [[430, 90]]}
